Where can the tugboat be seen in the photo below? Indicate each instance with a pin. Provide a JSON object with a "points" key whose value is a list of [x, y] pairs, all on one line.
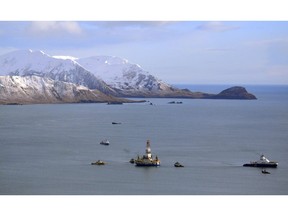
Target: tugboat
{"points": [[105, 142], [177, 164], [263, 162], [147, 159], [99, 162]]}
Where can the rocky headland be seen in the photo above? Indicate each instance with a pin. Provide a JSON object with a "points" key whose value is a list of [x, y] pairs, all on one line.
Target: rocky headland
{"points": [[236, 92]]}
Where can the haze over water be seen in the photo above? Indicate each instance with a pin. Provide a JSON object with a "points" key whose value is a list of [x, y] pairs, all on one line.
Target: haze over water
{"points": [[47, 149]]}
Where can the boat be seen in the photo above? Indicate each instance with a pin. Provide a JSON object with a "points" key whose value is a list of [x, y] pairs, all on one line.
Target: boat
{"points": [[116, 122], [175, 102], [147, 159], [132, 160], [265, 171], [99, 162], [105, 142], [177, 164], [263, 162]]}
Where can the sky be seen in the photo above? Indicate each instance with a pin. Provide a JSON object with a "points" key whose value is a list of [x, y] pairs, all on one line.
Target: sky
{"points": [[176, 51]]}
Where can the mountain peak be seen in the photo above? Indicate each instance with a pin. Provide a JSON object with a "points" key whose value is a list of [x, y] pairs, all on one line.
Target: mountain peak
{"points": [[37, 51], [66, 57], [29, 51], [24, 55], [28, 62]]}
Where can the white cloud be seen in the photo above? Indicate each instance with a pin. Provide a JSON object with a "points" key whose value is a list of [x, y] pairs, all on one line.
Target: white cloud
{"points": [[216, 27], [54, 28]]}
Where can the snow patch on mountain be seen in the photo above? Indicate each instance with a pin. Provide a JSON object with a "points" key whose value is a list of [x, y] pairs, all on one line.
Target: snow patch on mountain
{"points": [[109, 74], [65, 57]]}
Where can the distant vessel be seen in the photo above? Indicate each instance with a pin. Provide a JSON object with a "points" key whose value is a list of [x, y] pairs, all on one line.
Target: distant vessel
{"points": [[265, 171], [263, 162], [116, 122], [105, 142], [177, 164], [175, 102], [147, 159], [99, 162]]}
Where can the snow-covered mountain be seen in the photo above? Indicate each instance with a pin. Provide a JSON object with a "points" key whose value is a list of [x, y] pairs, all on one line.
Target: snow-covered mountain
{"points": [[35, 89], [111, 75], [124, 77], [28, 62]]}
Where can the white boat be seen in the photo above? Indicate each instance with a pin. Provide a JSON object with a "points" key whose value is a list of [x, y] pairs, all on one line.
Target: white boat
{"points": [[105, 142]]}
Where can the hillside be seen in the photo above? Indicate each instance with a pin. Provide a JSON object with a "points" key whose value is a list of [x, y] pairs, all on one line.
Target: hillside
{"points": [[36, 90]]}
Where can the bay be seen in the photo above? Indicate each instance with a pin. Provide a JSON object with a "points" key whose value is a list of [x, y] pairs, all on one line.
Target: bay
{"points": [[47, 149]]}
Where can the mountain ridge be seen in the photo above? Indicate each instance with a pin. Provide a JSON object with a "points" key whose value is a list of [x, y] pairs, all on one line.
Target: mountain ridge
{"points": [[110, 75], [29, 63]]}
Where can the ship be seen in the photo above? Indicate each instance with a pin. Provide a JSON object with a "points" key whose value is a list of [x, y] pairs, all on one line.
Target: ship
{"points": [[105, 142], [177, 164], [99, 162], [147, 159], [263, 162]]}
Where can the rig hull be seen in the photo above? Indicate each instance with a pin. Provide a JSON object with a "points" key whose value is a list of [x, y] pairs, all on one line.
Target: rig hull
{"points": [[272, 165]]}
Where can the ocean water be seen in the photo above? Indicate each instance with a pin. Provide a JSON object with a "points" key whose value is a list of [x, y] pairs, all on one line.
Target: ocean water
{"points": [[47, 149]]}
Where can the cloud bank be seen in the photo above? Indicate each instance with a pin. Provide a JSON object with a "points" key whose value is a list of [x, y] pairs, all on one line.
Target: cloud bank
{"points": [[54, 28]]}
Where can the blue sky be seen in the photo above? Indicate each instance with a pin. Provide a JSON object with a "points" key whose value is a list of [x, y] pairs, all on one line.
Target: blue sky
{"points": [[187, 52]]}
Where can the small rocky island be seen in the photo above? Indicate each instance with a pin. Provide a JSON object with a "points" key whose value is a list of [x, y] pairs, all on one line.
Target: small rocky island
{"points": [[236, 92]]}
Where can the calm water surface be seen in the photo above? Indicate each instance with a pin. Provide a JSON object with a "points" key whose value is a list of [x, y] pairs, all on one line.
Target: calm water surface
{"points": [[47, 149]]}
